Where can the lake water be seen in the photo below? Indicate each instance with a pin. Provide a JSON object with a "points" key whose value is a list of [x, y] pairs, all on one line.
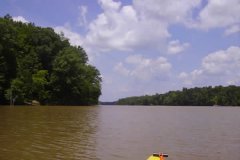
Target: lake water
{"points": [[119, 132]]}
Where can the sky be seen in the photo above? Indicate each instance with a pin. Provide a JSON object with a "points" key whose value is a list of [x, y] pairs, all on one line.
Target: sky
{"points": [[146, 46]]}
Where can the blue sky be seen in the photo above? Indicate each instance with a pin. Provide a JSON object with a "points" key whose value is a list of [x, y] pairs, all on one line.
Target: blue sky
{"points": [[146, 46]]}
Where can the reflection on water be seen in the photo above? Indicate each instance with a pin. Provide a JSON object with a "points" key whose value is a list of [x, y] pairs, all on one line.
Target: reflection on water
{"points": [[119, 132]]}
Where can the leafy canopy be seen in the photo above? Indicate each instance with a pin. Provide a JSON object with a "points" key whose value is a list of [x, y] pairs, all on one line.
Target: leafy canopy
{"points": [[38, 64]]}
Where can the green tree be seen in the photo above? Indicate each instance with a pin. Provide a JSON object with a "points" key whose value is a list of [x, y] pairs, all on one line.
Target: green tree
{"points": [[39, 86], [206, 96], [38, 64], [73, 79], [3, 69], [16, 92]]}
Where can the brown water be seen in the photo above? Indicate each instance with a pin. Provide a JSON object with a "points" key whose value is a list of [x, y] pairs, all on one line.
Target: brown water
{"points": [[119, 133]]}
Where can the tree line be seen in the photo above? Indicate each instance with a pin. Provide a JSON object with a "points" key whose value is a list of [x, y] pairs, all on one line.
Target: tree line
{"points": [[38, 64], [205, 96]]}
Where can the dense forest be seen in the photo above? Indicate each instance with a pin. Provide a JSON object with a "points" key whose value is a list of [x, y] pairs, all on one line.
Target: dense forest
{"points": [[36, 64], [206, 96]]}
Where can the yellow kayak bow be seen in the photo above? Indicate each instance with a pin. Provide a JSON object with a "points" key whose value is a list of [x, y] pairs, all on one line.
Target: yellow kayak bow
{"points": [[157, 156]]}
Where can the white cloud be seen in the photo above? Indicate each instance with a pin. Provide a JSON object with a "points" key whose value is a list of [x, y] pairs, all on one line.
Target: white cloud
{"points": [[109, 5], [223, 61], [82, 18], [169, 11], [144, 24], [220, 67], [20, 19], [121, 69], [232, 30], [136, 59], [218, 13], [74, 38], [121, 28], [185, 78], [234, 81], [175, 47], [144, 68]]}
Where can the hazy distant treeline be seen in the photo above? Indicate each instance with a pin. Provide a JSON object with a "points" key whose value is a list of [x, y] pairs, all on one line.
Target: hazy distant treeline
{"points": [[38, 64], [205, 96]]}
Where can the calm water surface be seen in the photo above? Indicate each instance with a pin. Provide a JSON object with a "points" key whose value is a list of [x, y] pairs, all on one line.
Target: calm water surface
{"points": [[119, 132]]}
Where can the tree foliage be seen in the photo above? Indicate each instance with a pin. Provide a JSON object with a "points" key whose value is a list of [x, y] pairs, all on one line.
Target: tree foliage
{"points": [[38, 64], [205, 96]]}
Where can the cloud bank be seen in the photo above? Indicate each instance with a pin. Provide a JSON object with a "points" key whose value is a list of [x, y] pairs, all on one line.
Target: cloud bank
{"points": [[143, 68], [145, 23], [220, 67]]}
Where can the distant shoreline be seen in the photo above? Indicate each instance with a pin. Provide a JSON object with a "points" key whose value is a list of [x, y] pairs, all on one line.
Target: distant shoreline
{"points": [[206, 96]]}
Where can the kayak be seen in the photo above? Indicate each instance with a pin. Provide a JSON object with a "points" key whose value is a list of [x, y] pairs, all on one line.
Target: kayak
{"points": [[156, 156]]}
